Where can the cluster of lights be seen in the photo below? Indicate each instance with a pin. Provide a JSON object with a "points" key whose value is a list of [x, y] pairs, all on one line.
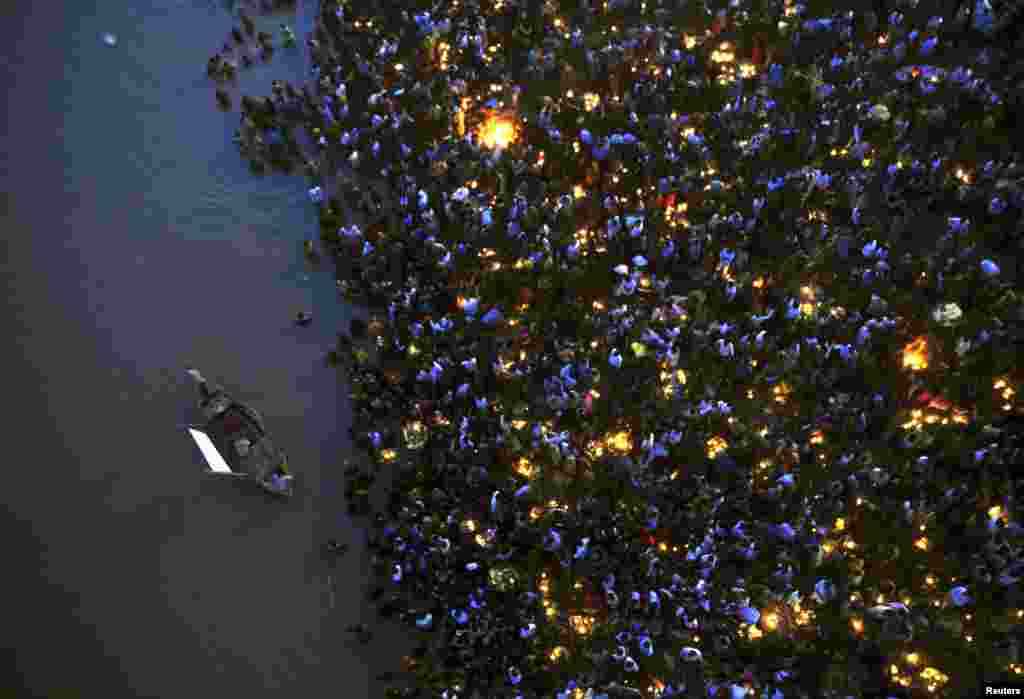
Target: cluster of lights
{"points": [[915, 354], [808, 296], [802, 616], [525, 468], [582, 624], [1005, 392], [550, 609], [497, 131], [675, 215], [671, 381], [781, 392], [715, 446], [460, 116], [443, 51], [621, 442], [919, 418], [415, 434]]}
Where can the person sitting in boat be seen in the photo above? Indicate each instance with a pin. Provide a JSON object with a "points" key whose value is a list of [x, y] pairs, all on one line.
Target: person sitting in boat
{"points": [[280, 478]]}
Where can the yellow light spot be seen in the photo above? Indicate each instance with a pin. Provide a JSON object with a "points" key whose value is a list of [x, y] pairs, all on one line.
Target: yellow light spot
{"points": [[620, 441], [857, 624], [388, 455], [582, 625], [840, 524], [497, 131], [771, 621], [715, 446], [525, 468], [781, 392], [921, 544], [915, 354]]}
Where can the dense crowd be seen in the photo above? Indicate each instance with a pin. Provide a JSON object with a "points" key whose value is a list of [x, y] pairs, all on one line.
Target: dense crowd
{"points": [[705, 403]]}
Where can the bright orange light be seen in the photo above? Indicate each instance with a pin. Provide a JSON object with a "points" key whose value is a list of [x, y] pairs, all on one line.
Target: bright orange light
{"points": [[460, 117], [525, 468], [715, 446], [497, 131], [915, 355], [620, 441]]}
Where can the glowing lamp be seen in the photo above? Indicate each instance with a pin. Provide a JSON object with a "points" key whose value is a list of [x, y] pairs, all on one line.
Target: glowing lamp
{"points": [[620, 441], [582, 625], [497, 131], [415, 435], [715, 446], [525, 468], [915, 355]]}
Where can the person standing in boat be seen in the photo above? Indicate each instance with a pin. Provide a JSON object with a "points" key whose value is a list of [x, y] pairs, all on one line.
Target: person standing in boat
{"points": [[260, 457], [215, 400]]}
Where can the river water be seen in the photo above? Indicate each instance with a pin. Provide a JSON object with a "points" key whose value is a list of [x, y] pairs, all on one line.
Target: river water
{"points": [[136, 242]]}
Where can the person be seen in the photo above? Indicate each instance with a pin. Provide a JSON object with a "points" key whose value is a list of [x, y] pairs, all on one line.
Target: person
{"points": [[335, 548], [213, 66], [362, 632], [247, 24], [214, 399], [289, 36], [280, 479]]}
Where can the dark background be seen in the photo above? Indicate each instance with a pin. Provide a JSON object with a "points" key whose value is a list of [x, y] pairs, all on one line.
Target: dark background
{"points": [[135, 243]]}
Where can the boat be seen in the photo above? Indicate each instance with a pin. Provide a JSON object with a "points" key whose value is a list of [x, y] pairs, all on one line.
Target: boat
{"points": [[235, 444]]}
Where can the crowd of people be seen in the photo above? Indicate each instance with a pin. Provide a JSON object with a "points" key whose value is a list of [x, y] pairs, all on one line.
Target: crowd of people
{"points": [[683, 403]]}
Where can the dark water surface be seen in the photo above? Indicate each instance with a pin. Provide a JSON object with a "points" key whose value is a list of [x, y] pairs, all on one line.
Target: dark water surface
{"points": [[135, 243]]}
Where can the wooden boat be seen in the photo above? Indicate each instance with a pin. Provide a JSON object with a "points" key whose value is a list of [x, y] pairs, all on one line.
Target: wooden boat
{"points": [[235, 444]]}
